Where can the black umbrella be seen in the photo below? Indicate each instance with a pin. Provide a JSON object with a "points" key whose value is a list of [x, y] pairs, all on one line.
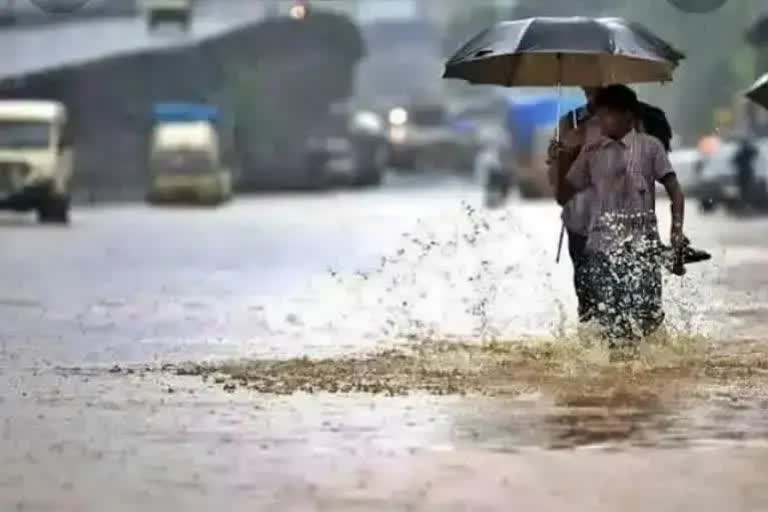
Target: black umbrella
{"points": [[570, 51], [759, 91]]}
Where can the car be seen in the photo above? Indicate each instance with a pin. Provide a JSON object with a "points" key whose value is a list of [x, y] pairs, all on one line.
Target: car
{"points": [[36, 158], [716, 184], [424, 136], [348, 148]]}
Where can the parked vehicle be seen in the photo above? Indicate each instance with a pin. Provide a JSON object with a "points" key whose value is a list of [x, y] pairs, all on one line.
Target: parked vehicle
{"points": [[36, 158]]}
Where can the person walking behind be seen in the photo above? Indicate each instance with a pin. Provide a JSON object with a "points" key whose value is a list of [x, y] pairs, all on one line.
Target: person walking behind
{"points": [[577, 127], [744, 161]]}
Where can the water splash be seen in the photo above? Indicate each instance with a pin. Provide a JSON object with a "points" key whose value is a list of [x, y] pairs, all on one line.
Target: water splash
{"points": [[462, 274]]}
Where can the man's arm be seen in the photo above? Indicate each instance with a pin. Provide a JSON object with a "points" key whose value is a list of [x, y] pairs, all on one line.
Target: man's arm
{"points": [[573, 180], [562, 153], [664, 173], [555, 154], [675, 192]]}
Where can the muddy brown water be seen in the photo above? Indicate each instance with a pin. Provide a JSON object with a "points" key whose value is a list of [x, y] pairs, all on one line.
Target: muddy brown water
{"points": [[675, 389]]}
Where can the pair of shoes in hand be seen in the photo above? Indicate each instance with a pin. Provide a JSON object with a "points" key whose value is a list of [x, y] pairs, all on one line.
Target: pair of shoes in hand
{"points": [[675, 263]]}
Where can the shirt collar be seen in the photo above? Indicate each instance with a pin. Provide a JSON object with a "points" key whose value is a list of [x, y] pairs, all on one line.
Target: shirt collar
{"points": [[625, 141]]}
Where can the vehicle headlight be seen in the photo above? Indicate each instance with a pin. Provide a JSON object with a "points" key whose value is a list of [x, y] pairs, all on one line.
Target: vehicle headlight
{"points": [[298, 11], [398, 116], [367, 122]]}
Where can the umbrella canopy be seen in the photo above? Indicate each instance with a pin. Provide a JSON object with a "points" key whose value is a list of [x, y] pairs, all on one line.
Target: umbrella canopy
{"points": [[759, 91], [571, 51]]}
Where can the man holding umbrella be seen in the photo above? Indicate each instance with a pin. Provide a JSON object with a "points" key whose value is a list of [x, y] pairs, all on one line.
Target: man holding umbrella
{"points": [[576, 128]]}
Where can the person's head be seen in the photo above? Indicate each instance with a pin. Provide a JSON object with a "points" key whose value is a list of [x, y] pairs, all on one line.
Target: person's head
{"points": [[615, 106], [590, 93]]}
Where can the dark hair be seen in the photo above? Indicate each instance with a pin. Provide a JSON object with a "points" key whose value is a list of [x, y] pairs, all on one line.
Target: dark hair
{"points": [[617, 97]]}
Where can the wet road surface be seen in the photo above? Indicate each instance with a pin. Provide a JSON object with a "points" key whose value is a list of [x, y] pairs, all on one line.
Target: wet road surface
{"points": [[500, 404]]}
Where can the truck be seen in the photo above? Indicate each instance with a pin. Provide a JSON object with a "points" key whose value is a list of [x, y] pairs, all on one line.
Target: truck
{"points": [[185, 161], [169, 11], [36, 158], [531, 119]]}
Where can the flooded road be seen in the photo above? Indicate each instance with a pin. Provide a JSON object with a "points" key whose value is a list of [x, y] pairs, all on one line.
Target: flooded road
{"points": [[155, 359]]}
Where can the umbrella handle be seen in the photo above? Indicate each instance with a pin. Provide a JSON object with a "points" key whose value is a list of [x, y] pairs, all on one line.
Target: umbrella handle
{"points": [[557, 137]]}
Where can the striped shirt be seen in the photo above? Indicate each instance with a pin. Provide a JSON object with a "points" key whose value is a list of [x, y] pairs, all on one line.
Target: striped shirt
{"points": [[576, 213], [621, 175]]}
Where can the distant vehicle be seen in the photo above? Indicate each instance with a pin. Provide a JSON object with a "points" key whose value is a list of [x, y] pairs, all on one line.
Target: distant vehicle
{"points": [[184, 156], [717, 184], [399, 78], [531, 119], [36, 159], [347, 149], [177, 12], [422, 136]]}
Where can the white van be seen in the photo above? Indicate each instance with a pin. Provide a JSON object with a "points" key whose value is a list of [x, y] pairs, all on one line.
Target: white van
{"points": [[185, 164], [36, 158]]}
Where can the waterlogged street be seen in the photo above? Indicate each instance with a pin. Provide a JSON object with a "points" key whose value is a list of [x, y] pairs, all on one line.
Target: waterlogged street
{"points": [[395, 349]]}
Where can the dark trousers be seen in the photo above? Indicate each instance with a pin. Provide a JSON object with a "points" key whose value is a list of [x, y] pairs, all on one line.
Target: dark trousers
{"points": [[577, 250], [627, 285]]}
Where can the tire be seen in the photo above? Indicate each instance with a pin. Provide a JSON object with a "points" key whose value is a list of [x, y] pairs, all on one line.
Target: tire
{"points": [[55, 210]]}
